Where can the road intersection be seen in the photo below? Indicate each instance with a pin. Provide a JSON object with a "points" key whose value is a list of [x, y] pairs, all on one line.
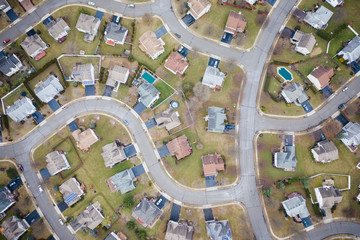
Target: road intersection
{"points": [[250, 122]]}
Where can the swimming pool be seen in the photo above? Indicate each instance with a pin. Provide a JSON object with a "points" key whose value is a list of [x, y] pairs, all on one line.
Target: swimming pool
{"points": [[148, 77], [285, 74]]}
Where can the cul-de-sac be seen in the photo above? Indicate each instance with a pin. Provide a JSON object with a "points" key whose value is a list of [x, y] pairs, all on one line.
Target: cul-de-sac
{"points": [[179, 119]]}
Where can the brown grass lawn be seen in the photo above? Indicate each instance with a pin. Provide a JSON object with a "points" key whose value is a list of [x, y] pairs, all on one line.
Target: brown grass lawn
{"points": [[270, 143], [53, 69]]}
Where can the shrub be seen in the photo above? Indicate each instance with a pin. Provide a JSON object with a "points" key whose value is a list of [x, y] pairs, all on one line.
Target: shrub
{"points": [[305, 181], [297, 27], [12, 173], [130, 225], [324, 34], [141, 234], [131, 58], [281, 185], [128, 201], [267, 191]]}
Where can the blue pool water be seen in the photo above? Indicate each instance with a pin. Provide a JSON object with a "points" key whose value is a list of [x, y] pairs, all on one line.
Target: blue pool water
{"points": [[148, 77], [285, 74]]}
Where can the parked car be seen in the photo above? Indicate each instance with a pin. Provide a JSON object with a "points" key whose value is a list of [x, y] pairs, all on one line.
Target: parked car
{"points": [[91, 3], [61, 222], [345, 89], [177, 35], [40, 189], [126, 122], [341, 105], [6, 41], [131, 5]]}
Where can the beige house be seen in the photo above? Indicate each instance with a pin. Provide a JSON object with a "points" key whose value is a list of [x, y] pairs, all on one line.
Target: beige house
{"points": [[85, 139], [304, 42], [113, 154], [179, 231], [83, 73], [327, 196], [34, 46], [88, 25], [13, 228], [90, 218], [56, 162], [198, 8], [150, 45], [325, 152], [71, 191], [117, 75], [168, 119], [58, 29]]}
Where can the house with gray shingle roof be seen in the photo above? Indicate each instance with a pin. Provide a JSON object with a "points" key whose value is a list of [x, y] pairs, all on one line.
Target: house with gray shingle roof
{"points": [[7, 199], [71, 191], [296, 207], [304, 42], [179, 231], [286, 159], [168, 119], [4, 6], [48, 89], [351, 52], [21, 109], [115, 34], [218, 230], [216, 119], [148, 94], [122, 181], [319, 18], [88, 25], [58, 29], [325, 152], [294, 93], [10, 64], [146, 213], [13, 228], [213, 78], [113, 154], [335, 3], [350, 135], [90, 218], [328, 196], [34, 46], [56, 162]]}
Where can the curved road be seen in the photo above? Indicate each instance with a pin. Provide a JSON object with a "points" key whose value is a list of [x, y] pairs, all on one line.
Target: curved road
{"points": [[250, 121]]}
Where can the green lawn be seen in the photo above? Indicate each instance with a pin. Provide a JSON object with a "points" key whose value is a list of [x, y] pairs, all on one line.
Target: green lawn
{"points": [[67, 63], [15, 95], [68, 146], [165, 91], [54, 69]]}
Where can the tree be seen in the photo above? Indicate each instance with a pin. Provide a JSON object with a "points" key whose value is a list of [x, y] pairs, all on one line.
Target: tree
{"points": [[297, 27], [141, 234], [268, 191], [12, 173], [147, 18], [130, 225], [128, 201], [281, 185], [209, 29], [305, 181]]}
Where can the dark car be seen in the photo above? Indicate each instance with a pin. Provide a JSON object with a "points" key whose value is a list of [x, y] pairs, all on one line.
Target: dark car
{"points": [[341, 105], [6, 41]]}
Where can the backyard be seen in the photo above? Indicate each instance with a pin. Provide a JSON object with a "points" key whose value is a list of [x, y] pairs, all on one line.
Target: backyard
{"points": [[67, 63]]}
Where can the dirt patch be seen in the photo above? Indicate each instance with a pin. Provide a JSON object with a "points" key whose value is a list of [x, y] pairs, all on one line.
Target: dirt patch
{"points": [[315, 52], [332, 128]]}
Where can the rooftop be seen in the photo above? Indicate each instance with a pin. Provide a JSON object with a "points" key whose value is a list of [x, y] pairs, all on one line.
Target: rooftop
{"points": [[48, 89], [180, 147], [122, 181], [71, 191], [179, 231], [56, 162], [113, 154], [85, 139], [146, 212], [176, 63], [21, 109], [213, 77], [151, 45], [168, 119], [216, 119]]}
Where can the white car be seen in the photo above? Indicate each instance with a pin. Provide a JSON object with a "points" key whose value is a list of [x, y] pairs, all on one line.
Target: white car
{"points": [[61, 222], [345, 89], [131, 5], [40, 189], [91, 3]]}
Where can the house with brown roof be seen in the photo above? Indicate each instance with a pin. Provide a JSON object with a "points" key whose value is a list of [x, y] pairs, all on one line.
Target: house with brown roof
{"points": [[321, 76], [325, 152], [151, 45], [71, 191], [56, 162], [198, 8], [179, 147], [168, 119], [179, 230], [88, 25], [90, 218], [235, 23], [12, 228], [304, 42], [327, 196], [58, 29], [117, 75], [176, 63], [113, 154], [85, 139], [34, 46], [212, 163]]}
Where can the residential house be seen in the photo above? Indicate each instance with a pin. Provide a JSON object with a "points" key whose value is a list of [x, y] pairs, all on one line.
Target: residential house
{"points": [[148, 94], [235, 23], [48, 89], [251, 2], [151, 45], [116, 236], [34, 46], [335, 3], [218, 230], [83, 73], [122, 181], [10, 64], [179, 231], [146, 213], [299, 14], [327, 196], [113, 154], [56, 162], [198, 8], [216, 119], [90, 218], [212, 163], [325, 152], [115, 34], [176, 63], [294, 93], [213, 78], [351, 52], [7, 199], [350, 135], [304, 42], [88, 25], [71, 191], [58, 29], [85, 139], [117, 75], [4, 6], [320, 76], [319, 18], [179, 147], [286, 159], [21, 109], [168, 119], [295, 207], [13, 228]]}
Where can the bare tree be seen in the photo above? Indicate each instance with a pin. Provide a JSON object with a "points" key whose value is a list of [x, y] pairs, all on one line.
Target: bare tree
{"points": [[230, 65], [194, 53], [209, 29], [147, 18], [182, 9], [260, 19], [202, 92]]}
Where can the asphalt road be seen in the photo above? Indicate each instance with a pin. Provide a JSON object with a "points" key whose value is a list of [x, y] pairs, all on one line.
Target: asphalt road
{"points": [[250, 121]]}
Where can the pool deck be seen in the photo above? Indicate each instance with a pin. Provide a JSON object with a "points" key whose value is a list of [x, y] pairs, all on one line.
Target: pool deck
{"points": [[278, 71]]}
